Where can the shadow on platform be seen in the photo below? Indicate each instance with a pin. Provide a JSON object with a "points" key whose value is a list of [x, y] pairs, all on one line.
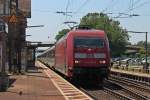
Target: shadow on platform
{"points": [[33, 69], [11, 81]]}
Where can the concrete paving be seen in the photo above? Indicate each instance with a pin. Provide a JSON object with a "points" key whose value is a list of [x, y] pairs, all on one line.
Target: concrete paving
{"points": [[35, 85]]}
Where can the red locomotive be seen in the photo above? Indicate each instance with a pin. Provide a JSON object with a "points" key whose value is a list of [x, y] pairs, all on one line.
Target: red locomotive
{"points": [[82, 53]]}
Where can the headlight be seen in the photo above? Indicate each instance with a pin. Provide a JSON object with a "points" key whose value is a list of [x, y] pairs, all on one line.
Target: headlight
{"points": [[99, 55], [80, 55], [76, 61], [102, 62]]}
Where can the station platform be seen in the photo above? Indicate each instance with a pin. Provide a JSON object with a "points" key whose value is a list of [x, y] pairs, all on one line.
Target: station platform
{"points": [[135, 73], [135, 76], [39, 84]]}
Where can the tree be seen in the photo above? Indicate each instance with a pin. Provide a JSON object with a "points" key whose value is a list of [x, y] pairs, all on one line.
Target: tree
{"points": [[142, 44], [117, 36], [61, 33]]}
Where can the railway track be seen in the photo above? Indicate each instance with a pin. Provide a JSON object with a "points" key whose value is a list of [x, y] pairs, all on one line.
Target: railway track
{"points": [[106, 93], [116, 91], [145, 84], [116, 94], [101, 94], [141, 89], [137, 84], [110, 91], [128, 91]]}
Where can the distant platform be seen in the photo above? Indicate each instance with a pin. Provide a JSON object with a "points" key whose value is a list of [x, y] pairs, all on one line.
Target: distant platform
{"points": [[135, 71]]}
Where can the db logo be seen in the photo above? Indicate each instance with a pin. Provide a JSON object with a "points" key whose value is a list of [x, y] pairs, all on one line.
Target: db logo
{"points": [[89, 49]]}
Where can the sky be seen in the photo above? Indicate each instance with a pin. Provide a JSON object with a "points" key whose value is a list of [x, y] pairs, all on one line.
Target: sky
{"points": [[44, 13]]}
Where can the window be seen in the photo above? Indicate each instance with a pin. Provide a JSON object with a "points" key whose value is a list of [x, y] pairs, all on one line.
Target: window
{"points": [[92, 42]]}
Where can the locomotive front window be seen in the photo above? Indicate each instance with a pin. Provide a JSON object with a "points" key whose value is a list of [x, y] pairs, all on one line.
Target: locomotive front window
{"points": [[89, 42]]}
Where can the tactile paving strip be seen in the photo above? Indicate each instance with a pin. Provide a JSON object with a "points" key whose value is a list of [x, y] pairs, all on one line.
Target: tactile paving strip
{"points": [[69, 91]]}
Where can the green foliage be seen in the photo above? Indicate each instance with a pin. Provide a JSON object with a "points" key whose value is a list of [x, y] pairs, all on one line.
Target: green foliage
{"points": [[61, 33], [142, 44], [118, 37], [142, 50]]}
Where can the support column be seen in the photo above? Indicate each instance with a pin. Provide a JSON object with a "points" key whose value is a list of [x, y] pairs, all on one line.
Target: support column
{"points": [[11, 45]]}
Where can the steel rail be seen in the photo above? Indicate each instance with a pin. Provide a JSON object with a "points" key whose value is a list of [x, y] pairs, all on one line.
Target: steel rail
{"points": [[131, 83], [130, 91], [133, 80], [116, 94], [136, 79], [85, 91]]}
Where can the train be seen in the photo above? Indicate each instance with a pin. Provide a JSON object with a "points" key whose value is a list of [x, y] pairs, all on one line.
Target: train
{"points": [[81, 53]]}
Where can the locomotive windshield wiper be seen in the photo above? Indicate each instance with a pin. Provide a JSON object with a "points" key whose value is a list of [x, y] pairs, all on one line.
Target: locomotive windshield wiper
{"points": [[82, 46]]}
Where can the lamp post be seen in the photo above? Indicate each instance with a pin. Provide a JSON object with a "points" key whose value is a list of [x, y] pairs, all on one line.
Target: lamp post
{"points": [[146, 51]]}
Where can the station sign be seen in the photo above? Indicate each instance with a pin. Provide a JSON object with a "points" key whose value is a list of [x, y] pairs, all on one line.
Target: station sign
{"points": [[25, 7], [13, 19], [4, 7]]}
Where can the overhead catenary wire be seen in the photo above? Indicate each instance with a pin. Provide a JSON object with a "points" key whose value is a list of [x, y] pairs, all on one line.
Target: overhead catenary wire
{"points": [[140, 5], [67, 13], [67, 6], [134, 7], [112, 4], [131, 5], [77, 11], [136, 2], [127, 12], [81, 7]]}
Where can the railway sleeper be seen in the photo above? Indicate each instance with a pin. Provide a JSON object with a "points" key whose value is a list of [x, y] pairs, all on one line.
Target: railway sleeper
{"points": [[116, 94], [131, 92]]}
